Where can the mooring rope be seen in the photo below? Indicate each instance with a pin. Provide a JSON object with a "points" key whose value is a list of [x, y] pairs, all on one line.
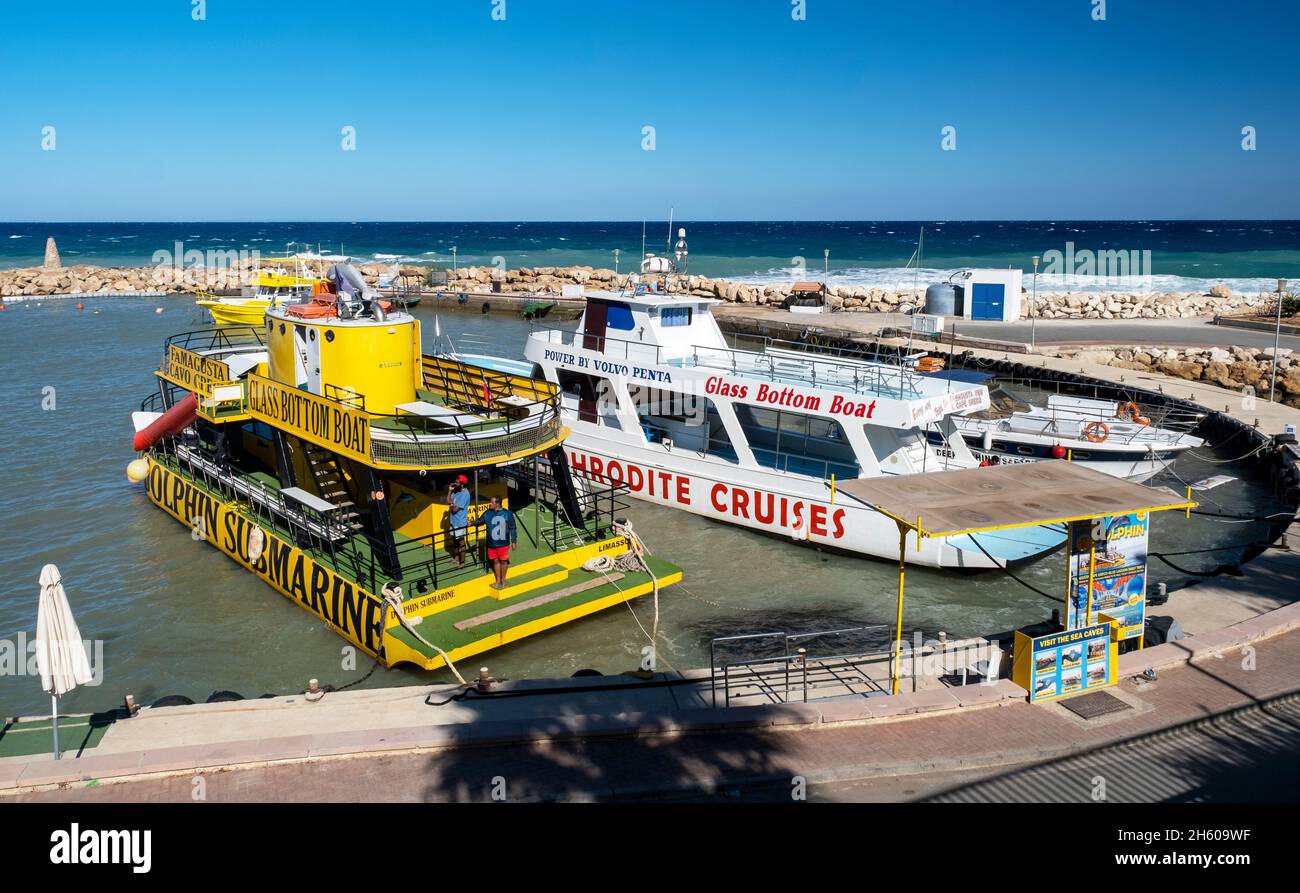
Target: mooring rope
{"points": [[632, 560], [393, 596]]}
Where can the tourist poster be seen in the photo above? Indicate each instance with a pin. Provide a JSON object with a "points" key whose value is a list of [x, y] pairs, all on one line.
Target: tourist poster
{"points": [[1066, 663], [1114, 548]]}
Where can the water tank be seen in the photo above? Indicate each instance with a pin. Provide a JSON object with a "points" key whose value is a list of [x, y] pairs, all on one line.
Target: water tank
{"points": [[941, 300]]}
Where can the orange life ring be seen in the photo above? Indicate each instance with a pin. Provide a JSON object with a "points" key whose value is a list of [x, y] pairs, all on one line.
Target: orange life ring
{"points": [[1090, 432], [1130, 411]]}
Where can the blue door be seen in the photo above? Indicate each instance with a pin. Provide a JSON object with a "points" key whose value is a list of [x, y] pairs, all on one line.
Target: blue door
{"points": [[986, 301]]}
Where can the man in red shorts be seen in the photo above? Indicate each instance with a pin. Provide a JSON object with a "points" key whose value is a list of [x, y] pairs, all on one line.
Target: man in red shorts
{"points": [[502, 537]]}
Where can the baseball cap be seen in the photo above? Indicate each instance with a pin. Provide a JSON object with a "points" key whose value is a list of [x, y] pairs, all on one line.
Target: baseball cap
{"points": [[461, 479]]}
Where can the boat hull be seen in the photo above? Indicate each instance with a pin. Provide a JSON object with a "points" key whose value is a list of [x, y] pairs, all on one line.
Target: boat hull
{"points": [[363, 618], [1137, 465], [789, 505], [246, 313]]}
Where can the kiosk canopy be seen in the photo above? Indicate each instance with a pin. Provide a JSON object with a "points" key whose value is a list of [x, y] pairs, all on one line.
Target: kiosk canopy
{"points": [[998, 497]]}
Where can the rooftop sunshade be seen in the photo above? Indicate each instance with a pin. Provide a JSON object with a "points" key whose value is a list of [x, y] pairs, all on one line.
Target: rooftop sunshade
{"points": [[1002, 496]]}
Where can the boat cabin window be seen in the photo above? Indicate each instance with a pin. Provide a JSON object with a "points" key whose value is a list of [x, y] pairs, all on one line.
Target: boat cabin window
{"points": [[675, 316], [798, 443], [690, 421], [619, 316]]}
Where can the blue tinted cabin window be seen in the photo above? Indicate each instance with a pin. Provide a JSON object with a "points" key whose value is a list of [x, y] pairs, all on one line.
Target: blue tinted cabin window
{"points": [[675, 316], [619, 316]]}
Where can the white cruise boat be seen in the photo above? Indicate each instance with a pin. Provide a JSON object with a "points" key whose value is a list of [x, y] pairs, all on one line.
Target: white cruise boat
{"points": [[658, 403], [1113, 437]]}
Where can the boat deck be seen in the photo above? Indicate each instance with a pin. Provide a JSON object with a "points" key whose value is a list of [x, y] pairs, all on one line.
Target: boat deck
{"points": [[546, 584]]}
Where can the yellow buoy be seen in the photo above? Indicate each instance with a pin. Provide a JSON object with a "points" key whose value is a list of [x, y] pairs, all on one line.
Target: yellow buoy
{"points": [[137, 470]]}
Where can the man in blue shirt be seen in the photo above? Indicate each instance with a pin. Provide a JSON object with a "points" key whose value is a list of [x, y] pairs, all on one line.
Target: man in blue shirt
{"points": [[458, 516], [502, 536]]}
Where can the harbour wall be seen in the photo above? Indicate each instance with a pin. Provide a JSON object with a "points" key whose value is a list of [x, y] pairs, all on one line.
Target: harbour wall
{"points": [[84, 279]]}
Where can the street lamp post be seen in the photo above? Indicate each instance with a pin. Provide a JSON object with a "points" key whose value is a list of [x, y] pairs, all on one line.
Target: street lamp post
{"points": [[453, 259], [1033, 309], [1277, 338], [616, 254], [826, 259]]}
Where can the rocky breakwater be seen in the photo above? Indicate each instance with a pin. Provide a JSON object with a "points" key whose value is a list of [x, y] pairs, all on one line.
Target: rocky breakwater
{"points": [[87, 279], [551, 281], [866, 299], [1164, 305], [1246, 370]]}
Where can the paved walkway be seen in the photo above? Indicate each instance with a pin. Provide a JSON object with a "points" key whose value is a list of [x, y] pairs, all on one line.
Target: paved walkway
{"points": [[535, 756]]}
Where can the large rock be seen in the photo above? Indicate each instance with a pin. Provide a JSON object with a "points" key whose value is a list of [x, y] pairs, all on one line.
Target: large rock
{"points": [[1184, 369]]}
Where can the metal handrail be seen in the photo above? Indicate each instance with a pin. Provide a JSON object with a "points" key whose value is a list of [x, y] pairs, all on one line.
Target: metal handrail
{"points": [[228, 338], [859, 377], [784, 658]]}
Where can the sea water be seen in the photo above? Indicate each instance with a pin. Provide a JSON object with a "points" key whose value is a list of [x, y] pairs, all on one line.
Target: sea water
{"points": [[1185, 256]]}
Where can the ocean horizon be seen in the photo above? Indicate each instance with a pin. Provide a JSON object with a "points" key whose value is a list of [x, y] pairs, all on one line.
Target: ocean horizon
{"points": [[1158, 255]]}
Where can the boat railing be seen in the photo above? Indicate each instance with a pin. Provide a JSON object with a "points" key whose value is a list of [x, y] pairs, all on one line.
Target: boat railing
{"points": [[317, 532], [487, 416], [228, 339], [598, 506], [345, 396], [833, 348], [810, 369], [798, 670], [1073, 423]]}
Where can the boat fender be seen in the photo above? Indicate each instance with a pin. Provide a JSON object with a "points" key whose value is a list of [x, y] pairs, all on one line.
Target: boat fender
{"points": [[987, 441], [486, 308], [171, 701], [256, 544], [586, 672], [220, 697], [797, 529]]}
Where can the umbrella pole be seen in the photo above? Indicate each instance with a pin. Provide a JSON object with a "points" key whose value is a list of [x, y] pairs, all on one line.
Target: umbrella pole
{"points": [[54, 718]]}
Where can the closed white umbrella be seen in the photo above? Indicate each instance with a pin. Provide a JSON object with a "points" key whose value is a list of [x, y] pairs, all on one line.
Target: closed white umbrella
{"points": [[60, 653]]}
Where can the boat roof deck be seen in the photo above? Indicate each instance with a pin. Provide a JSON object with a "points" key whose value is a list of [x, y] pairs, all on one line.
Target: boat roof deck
{"points": [[832, 374]]}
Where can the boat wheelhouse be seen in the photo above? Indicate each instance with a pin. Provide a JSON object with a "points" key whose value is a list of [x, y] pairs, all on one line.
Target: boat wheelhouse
{"points": [[660, 404], [316, 451]]}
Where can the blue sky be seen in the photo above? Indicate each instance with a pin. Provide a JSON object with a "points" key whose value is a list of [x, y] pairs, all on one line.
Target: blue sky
{"points": [[756, 115]]}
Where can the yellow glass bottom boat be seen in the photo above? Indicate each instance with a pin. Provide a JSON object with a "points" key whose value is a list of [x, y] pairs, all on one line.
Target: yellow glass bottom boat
{"points": [[358, 477], [271, 288]]}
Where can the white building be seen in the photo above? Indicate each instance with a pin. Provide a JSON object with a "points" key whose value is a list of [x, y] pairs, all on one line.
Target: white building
{"points": [[989, 294]]}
